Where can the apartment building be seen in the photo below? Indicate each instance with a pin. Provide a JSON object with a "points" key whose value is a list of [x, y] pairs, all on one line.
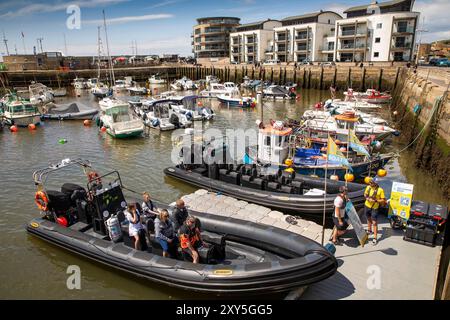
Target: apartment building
{"points": [[253, 42], [308, 37], [377, 32], [211, 39]]}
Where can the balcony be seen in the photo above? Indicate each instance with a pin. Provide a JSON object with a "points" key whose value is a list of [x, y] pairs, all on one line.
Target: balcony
{"points": [[209, 40], [353, 33], [281, 49], [300, 37], [352, 46], [401, 46], [251, 42], [326, 48], [403, 30], [302, 48]]}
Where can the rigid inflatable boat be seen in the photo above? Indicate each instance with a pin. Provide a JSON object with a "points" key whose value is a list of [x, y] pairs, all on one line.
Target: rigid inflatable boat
{"points": [[239, 258], [288, 192]]}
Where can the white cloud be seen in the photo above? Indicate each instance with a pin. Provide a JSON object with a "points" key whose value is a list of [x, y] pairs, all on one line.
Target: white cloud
{"points": [[165, 3], [436, 14], [35, 8], [130, 19]]}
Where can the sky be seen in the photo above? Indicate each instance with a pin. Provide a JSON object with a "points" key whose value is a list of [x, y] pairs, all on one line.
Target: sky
{"points": [[161, 26]]}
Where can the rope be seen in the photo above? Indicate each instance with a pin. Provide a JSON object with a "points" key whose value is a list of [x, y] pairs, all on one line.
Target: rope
{"points": [[435, 107]]}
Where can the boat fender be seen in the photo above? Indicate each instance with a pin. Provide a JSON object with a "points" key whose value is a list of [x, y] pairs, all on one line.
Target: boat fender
{"points": [[41, 200], [113, 227], [155, 122], [93, 176]]}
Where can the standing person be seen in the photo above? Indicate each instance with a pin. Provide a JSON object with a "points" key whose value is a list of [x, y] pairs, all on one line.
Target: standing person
{"points": [[148, 208], [374, 195], [135, 225], [165, 233], [340, 225], [179, 214]]}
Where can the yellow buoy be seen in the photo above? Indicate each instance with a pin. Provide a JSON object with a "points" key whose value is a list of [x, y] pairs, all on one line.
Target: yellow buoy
{"points": [[289, 162], [334, 177], [382, 173], [349, 177], [367, 180], [290, 170]]}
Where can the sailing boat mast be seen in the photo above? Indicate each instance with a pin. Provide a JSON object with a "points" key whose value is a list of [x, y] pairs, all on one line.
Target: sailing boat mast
{"points": [[99, 54], [107, 49]]}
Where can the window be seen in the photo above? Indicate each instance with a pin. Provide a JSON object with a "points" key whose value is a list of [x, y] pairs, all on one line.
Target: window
{"points": [[376, 54], [377, 40], [379, 25], [329, 21]]}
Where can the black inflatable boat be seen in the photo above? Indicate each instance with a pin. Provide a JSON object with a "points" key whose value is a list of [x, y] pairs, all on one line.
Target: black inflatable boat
{"points": [[288, 192], [71, 111], [240, 257]]}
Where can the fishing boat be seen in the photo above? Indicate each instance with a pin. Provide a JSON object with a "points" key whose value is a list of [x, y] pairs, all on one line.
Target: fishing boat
{"points": [[119, 121], [235, 100], [19, 112], [156, 79], [80, 83], [370, 96], [87, 219], [40, 94], [69, 111], [362, 116]]}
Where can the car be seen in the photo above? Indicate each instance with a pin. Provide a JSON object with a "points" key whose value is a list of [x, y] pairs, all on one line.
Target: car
{"points": [[306, 62], [444, 63], [327, 64], [436, 61], [272, 62]]}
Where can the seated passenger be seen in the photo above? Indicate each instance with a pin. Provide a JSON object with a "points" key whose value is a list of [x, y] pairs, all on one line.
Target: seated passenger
{"points": [[179, 214], [135, 225], [165, 233], [190, 240], [148, 208]]}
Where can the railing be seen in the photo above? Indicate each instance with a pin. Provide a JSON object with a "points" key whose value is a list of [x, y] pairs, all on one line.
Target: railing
{"points": [[405, 45], [214, 39], [281, 49], [348, 32], [303, 48], [404, 30], [352, 46], [301, 37]]}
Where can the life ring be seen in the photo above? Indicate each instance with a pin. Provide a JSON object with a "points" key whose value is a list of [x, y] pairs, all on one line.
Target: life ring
{"points": [[41, 200], [93, 176]]}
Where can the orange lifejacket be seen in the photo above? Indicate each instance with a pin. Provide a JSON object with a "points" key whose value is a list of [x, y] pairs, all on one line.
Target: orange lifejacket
{"points": [[192, 238], [93, 176]]}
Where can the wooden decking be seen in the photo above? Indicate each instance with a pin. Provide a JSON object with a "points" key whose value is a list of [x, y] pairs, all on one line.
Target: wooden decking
{"points": [[393, 269]]}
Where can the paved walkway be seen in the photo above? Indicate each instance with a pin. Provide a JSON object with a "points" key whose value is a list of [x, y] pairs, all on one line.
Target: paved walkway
{"points": [[393, 269]]}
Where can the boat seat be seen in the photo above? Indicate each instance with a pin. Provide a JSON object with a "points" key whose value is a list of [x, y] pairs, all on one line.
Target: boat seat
{"points": [[298, 185], [201, 170], [58, 201], [232, 177], [273, 186], [287, 189], [246, 181], [258, 183]]}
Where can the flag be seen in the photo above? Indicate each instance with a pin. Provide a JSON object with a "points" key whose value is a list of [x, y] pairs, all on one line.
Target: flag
{"points": [[356, 145], [23, 36], [335, 155]]}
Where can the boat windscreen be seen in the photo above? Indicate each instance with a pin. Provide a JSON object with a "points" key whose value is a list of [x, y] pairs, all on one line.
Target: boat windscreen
{"points": [[119, 113], [22, 109]]}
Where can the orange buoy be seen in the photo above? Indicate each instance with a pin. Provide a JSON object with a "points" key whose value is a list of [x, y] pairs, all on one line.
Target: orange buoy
{"points": [[349, 177], [87, 123], [13, 129], [382, 173], [337, 141], [103, 129], [32, 126]]}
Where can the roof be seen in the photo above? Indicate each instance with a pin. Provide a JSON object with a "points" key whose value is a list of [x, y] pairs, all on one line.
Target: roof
{"points": [[208, 18], [381, 5], [255, 24], [308, 15]]}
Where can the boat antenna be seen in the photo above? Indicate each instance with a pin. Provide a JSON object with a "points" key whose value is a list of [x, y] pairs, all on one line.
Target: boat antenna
{"points": [[107, 50], [99, 53], [5, 41]]}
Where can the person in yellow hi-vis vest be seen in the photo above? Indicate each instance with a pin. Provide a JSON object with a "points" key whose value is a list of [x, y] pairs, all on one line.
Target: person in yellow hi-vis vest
{"points": [[374, 195]]}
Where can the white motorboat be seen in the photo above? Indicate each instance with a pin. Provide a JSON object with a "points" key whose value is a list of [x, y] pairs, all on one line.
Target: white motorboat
{"points": [[192, 107], [101, 91], [277, 93], [122, 84], [19, 112], [233, 99], [156, 79], [137, 90], [212, 79], [216, 89], [80, 83], [40, 94], [59, 92], [92, 82], [118, 119], [370, 96], [183, 84]]}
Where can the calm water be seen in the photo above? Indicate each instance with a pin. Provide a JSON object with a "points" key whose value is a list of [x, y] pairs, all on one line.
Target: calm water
{"points": [[31, 268]]}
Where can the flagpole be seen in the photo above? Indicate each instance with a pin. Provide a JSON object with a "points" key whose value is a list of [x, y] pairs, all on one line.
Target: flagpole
{"points": [[325, 194], [23, 42]]}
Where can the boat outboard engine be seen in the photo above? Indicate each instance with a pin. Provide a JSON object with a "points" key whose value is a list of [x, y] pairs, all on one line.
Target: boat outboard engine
{"points": [[155, 123], [189, 115], [114, 229], [174, 120]]}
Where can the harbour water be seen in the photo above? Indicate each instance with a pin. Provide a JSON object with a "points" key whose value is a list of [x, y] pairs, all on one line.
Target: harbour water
{"points": [[31, 268]]}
